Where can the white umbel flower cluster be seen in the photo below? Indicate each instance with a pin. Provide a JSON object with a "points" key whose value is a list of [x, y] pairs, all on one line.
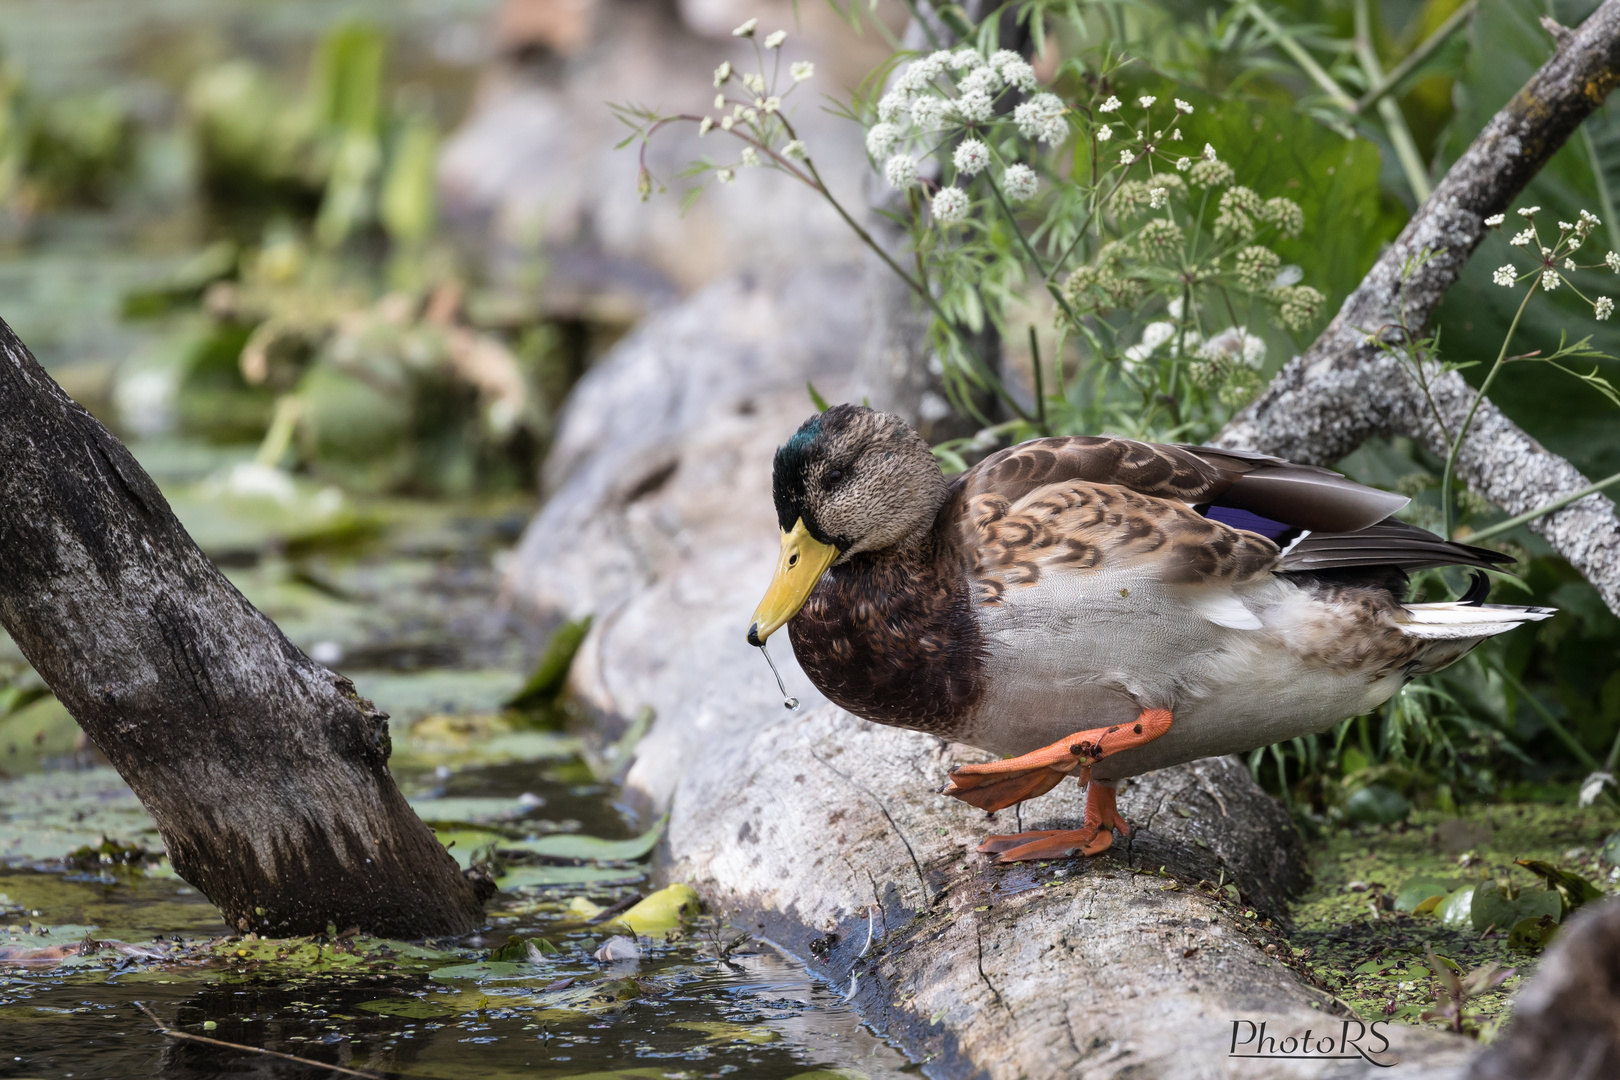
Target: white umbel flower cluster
{"points": [[971, 157], [1236, 345], [1020, 183], [1550, 280], [1504, 276], [881, 139], [976, 106], [1603, 308], [1042, 117], [900, 171], [950, 205], [1014, 70]]}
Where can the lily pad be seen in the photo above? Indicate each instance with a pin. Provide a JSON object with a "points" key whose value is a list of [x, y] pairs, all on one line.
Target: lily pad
{"points": [[1456, 910], [574, 846], [45, 816], [468, 846], [541, 877], [719, 1031], [661, 912], [1574, 889], [34, 733], [1420, 889], [471, 808], [1491, 907], [1532, 933], [415, 1008]]}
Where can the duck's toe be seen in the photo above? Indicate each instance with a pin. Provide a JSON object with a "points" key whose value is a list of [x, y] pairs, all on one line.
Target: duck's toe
{"points": [[1049, 844]]}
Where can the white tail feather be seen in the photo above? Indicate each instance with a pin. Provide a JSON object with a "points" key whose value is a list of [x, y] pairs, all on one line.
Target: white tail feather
{"points": [[1454, 620]]}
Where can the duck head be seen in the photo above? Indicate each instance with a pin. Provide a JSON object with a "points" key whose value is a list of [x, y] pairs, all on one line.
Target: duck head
{"points": [[850, 480]]}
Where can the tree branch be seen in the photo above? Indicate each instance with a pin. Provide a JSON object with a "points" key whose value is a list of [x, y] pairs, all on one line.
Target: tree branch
{"points": [[1345, 389]]}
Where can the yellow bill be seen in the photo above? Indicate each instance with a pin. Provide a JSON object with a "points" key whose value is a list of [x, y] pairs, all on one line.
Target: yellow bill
{"points": [[802, 562]]}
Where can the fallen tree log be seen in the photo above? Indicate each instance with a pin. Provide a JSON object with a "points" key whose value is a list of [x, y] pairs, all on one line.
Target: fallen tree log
{"points": [[1345, 389], [821, 832], [267, 775], [825, 833]]}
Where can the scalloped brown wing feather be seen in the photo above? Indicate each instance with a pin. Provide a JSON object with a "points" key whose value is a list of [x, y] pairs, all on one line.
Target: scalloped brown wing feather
{"points": [[1074, 525], [1301, 495]]}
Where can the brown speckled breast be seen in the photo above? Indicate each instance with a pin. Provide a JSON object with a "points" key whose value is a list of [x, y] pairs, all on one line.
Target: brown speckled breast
{"points": [[891, 637]]}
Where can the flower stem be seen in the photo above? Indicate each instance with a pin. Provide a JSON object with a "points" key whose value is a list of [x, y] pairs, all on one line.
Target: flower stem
{"points": [[1448, 478]]}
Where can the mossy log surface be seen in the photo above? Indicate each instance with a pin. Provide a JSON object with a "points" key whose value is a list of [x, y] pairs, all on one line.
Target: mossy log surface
{"points": [[267, 775]]}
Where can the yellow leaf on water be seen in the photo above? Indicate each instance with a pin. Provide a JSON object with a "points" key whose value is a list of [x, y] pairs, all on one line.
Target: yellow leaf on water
{"points": [[659, 913]]}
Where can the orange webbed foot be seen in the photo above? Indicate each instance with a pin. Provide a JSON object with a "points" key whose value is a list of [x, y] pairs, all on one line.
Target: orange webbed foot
{"points": [[995, 785], [1094, 837]]}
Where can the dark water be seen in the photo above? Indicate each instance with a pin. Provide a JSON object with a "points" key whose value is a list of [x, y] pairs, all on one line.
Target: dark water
{"points": [[418, 609], [677, 1012]]}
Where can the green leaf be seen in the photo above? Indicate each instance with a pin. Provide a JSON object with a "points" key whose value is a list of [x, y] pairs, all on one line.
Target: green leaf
{"points": [[415, 1008], [575, 846], [661, 912], [1377, 804], [551, 672], [1491, 907], [544, 877], [1532, 932], [1575, 889], [468, 846], [815, 398], [1419, 889], [1456, 910]]}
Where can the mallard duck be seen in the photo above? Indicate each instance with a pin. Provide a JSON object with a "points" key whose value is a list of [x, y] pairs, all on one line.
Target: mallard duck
{"points": [[1099, 607]]}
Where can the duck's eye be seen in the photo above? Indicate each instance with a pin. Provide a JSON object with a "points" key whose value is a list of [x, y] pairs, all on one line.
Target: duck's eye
{"points": [[835, 475]]}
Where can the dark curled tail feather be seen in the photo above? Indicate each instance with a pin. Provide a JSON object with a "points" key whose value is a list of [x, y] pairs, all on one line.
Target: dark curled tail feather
{"points": [[1388, 543]]}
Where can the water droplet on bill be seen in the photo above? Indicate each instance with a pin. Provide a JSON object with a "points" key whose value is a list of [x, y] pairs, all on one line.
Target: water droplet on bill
{"points": [[791, 704]]}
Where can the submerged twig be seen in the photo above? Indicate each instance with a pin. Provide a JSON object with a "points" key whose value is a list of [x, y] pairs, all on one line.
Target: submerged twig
{"points": [[188, 1036]]}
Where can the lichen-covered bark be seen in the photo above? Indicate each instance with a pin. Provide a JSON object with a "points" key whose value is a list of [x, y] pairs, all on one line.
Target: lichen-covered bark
{"points": [[266, 773], [1344, 390]]}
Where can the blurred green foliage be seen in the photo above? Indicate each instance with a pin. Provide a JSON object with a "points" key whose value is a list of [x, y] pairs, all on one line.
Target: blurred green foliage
{"points": [[323, 318]]}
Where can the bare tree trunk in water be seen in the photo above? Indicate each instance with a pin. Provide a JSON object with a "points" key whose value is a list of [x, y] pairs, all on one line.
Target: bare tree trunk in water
{"points": [[266, 773]]}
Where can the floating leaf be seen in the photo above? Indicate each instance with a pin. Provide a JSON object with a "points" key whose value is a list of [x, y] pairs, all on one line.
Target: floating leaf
{"points": [[468, 846], [661, 912], [415, 1008], [539, 877], [1532, 933], [547, 679], [1456, 910], [1492, 907], [717, 1031], [1419, 890], [574, 846], [518, 950], [1574, 889]]}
